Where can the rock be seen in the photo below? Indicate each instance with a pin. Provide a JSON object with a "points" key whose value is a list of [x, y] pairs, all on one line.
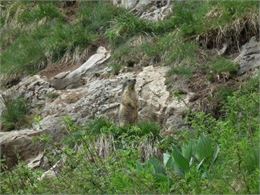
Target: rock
{"points": [[127, 4], [53, 126], [98, 97], [249, 57], [2, 108], [152, 91], [158, 12], [54, 170], [73, 79], [19, 145], [33, 88], [154, 10], [157, 104], [101, 97], [36, 161]]}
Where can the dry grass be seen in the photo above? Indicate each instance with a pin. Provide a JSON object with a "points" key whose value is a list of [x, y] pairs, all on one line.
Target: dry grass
{"points": [[234, 35]]}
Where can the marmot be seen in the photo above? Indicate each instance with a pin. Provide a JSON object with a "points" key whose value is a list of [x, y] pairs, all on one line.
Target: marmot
{"points": [[128, 111]]}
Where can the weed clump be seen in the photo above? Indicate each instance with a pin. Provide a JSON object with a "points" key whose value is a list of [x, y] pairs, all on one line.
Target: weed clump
{"points": [[15, 115], [223, 65]]}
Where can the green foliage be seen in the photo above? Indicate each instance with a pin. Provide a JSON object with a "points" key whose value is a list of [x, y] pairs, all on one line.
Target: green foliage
{"points": [[196, 17], [15, 115], [36, 47], [197, 153], [238, 136], [147, 128], [18, 180], [220, 65], [125, 26], [222, 94], [181, 71], [125, 55], [47, 10], [116, 67], [97, 16], [101, 126]]}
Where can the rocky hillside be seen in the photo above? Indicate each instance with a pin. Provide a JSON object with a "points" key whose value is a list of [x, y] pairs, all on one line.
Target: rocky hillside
{"points": [[63, 66]]}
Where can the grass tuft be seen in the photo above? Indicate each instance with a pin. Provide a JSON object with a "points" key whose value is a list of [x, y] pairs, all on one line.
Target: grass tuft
{"points": [[222, 65], [15, 115]]}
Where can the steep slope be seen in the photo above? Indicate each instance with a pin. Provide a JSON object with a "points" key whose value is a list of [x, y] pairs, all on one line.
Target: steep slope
{"points": [[62, 69]]}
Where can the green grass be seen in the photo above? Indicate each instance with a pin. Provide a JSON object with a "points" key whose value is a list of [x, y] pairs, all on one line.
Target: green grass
{"points": [[221, 65], [15, 115], [37, 41], [40, 31]]}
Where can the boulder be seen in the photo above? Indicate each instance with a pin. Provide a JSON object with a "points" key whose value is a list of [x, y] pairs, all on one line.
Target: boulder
{"points": [[22, 144], [19, 145], [73, 79], [34, 89], [249, 57], [101, 97]]}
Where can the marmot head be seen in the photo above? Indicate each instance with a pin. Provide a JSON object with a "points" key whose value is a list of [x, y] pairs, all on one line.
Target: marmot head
{"points": [[129, 84]]}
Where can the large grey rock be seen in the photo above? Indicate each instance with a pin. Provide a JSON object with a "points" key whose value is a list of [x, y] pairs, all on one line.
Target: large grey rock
{"points": [[152, 92], [101, 97], [23, 144], [19, 145], [34, 89], [73, 79], [157, 104], [249, 57]]}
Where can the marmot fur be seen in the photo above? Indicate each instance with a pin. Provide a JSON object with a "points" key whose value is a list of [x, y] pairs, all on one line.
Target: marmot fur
{"points": [[128, 111]]}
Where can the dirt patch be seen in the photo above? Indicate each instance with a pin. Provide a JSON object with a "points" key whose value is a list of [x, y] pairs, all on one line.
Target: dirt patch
{"points": [[210, 95], [54, 69], [70, 9]]}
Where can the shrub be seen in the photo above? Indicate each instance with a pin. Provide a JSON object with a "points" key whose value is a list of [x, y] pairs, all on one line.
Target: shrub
{"points": [[20, 180]]}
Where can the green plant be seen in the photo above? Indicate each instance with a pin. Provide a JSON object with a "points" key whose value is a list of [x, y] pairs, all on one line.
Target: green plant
{"points": [[186, 72], [222, 65], [197, 153], [125, 26], [15, 115], [19, 180], [223, 93]]}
